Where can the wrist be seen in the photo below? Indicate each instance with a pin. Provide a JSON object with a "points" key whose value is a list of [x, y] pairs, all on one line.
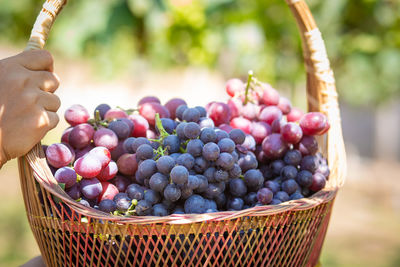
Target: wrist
{"points": [[3, 156]]}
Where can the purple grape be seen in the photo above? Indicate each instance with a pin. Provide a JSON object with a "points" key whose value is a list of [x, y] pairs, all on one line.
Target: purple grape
{"points": [[195, 147], [273, 186], [173, 104], [74, 191], [160, 210], [288, 172], [200, 164], [226, 145], [147, 168], [144, 152], [208, 135], [186, 160], [264, 196], [172, 193], [143, 208], [102, 108], [304, 178], [81, 135], [122, 201], [282, 196], [152, 196], [292, 157], [179, 111], [165, 164], [191, 115], [235, 203], [120, 128], [107, 205], [91, 188], [309, 163], [237, 187], [179, 175], [194, 204], [135, 191], [254, 179], [121, 182], [225, 161], [247, 162], [66, 175], [211, 151], [191, 130], [308, 145], [290, 186], [318, 182], [238, 136], [172, 143], [158, 182]]}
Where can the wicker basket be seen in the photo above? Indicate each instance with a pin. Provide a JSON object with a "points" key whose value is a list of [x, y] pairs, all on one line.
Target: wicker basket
{"points": [[288, 234]]}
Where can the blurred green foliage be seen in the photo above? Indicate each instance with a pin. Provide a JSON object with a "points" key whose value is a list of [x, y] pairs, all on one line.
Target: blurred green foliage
{"points": [[362, 37]]}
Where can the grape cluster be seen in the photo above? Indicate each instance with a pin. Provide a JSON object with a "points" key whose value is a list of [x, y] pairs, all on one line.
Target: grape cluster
{"points": [[256, 149], [282, 138]]}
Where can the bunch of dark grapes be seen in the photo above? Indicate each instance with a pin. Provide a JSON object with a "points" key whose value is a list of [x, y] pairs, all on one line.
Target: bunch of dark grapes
{"points": [[171, 159]]}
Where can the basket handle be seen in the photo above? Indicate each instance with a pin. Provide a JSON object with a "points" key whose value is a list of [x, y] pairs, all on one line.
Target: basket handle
{"points": [[43, 23], [321, 90]]}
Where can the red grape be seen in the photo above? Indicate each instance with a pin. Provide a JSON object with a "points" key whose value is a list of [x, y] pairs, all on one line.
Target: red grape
{"points": [[219, 112], [141, 125], [318, 182], [81, 135], [235, 106], [294, 115], [150, 134], [308, 145], [277, 125], [87, 166], [327, 127], [149, 110], [115, 113], [274, 147], [102, 154], [106, 138], [65, 135], [109, 191], [269, 114], [58, 155], [127, 164], [313, 123], [250, 111], [242, 124], [291, 133], [173, 104], [260, 130], [76, 114], [148, 99], [234, 86], [108, 172], [66, 175], [270, 96], [284, 105]]}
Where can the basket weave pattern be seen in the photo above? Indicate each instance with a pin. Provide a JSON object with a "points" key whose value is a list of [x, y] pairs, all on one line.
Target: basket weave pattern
{"points": [[289, 234]]}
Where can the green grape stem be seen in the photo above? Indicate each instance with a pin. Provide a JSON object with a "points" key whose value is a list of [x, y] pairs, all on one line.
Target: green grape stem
{"points": [[246, 94]]}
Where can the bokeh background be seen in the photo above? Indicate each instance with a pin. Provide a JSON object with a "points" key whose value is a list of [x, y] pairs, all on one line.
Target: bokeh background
{"points": [[117, 51]]}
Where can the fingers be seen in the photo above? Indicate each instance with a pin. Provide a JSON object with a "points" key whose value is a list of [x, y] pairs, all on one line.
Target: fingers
{"points": [[47, 121], [49, 101], [53, 119], [36, 60], [47, 81]]}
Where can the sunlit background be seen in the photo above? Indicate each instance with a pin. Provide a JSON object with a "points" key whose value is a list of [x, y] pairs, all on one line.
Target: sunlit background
{"points": [[117, 51]]}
